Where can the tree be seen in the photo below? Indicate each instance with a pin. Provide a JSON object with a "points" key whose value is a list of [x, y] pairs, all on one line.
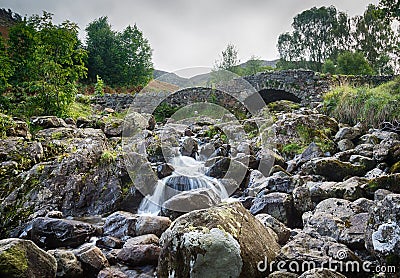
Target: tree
{"points": [[136, 52], [48, 62], [229, 58], [102, 47], [329, 67], [353, 63], [391, 8], [120, 58], [253, 66], [6, 69], [319, 33], [375, 38]]}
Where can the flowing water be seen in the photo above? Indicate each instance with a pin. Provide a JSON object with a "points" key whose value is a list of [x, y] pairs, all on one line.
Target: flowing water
{"points": [[188, 176]]}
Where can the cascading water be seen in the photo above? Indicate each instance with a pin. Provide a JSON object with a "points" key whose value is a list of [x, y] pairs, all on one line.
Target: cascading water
{"points": [[189, 175]]}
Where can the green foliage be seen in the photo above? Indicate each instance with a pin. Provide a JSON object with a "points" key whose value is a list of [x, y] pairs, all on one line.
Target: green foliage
{"points": [[320, 34], [370, 106], [121, 58], [99, 86], [108, 156], [6, 123], [375, 38], [391, 8], [229, 59], [329, 67], [353, 63], [47, 61], [292, 149], [164, 111]]}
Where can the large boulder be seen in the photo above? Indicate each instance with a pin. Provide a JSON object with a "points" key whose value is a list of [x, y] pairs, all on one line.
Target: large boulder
{"points": [[53, 233], [382, 237], [224, 240], [339, 219], [68, 265], [22, 258], [333, 169], [279, 205]]}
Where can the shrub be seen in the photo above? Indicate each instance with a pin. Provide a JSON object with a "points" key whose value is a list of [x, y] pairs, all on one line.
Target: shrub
{"points": [[370, 106]]}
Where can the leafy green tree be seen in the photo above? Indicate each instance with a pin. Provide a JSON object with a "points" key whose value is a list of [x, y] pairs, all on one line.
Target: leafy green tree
{"points": [[102, 47], [48, 62], [319, 33], [391, 8], [121, 58], [137, 70], [329, 67], [353, 63], [253, 66], [375, 38], [229, 59], [6, 69]]}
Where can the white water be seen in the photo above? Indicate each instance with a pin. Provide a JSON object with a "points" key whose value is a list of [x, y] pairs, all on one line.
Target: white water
{"points": [[188, 175]]}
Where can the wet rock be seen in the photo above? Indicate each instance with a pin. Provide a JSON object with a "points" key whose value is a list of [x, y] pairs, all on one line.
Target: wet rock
{"points": [[120, 224], [230, 240], [189, 200], [54, 214], [321, 273], [310, 246], [388, 150], [25, 153], [283, 274], [164, 170], [206, 151], [189, 147], [67, 264], [142, 254], [366, 162], [109, 242], [382, 237], [228, 169], [278, 182], [113, 128], [278, 227], [111, 273], [333, 169], [53, 233], [350, 133], [92, 260], [143, 239], [19, 129], [345, 145], [147, 224], [278, 205], [302, 201], [48, 121], [339, 219], [22, 258]]}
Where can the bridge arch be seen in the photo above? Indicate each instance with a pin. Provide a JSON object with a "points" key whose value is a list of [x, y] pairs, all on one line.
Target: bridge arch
{"points": [[271, 95]]}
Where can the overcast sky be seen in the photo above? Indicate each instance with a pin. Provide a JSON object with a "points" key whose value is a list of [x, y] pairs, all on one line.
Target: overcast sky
{"points": [[190, 33]]}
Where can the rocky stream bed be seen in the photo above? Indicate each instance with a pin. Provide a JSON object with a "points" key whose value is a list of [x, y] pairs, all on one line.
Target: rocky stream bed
{"points": [[331, 194]]}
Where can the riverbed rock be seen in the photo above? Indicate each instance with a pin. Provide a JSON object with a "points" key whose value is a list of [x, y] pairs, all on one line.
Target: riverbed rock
{"points": [[113, 128], [139, 254], [350, 133], [22, 258], [278, 205], [345, 145], [147, 224], [120, 224], [339, 219], [321, 273], [92, 259], [68, 265], [225, 240], [382, 237], [48, 121], [278, 227], [332, 168], [53, 233]]}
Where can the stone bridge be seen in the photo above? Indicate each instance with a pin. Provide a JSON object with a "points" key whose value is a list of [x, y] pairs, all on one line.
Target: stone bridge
{"points": [[300, 86]]}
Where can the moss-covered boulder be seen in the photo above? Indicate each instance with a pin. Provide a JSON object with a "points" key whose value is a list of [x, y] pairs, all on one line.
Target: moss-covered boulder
{"points": [[222, 241], [333, 169], [22, 258]]}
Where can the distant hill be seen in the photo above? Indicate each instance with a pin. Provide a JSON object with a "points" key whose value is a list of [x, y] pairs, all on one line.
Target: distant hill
{"points": [[7, 19], [264, 63]]}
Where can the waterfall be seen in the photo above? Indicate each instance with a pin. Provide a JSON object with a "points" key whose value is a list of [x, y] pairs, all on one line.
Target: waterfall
{"points": [[189, 175]]}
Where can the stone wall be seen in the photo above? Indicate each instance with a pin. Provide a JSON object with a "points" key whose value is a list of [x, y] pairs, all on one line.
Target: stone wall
{"points": [[307, 86]]}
